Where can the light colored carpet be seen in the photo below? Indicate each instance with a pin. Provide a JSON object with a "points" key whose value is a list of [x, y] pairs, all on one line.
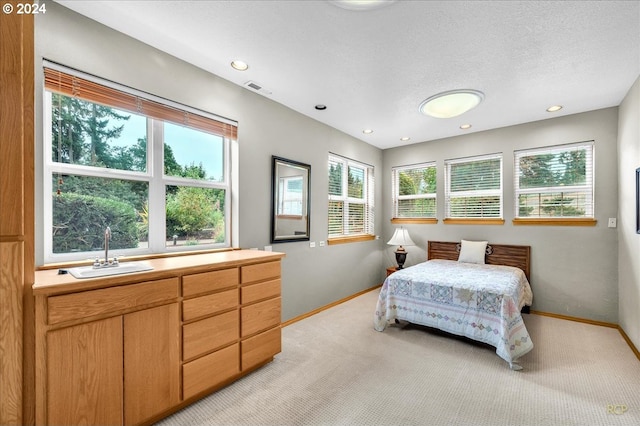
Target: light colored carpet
{"points": [[335, 369]]}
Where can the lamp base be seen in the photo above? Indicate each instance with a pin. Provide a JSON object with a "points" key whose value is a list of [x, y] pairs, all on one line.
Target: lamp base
{"points": [[401, 257]]}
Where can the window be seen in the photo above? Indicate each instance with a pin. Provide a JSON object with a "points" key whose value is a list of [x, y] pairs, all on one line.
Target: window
{"points": [[473, 187], [414, 191], [155, 172], [554, 182], [351, 195], [290, 196]]}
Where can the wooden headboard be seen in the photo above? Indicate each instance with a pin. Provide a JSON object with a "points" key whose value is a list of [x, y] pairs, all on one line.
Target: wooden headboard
{"points": [[497, 254]]}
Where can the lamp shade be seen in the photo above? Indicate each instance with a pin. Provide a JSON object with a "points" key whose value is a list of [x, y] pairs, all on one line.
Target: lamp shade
{"points": [[401, 238]]}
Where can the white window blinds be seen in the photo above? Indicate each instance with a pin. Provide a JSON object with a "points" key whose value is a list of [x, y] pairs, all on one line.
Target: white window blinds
{"points": [[414, 191], [554, 181], [473, 187], [351, 195]]}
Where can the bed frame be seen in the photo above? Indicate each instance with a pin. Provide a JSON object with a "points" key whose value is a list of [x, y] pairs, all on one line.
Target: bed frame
{"points": [[496, 254]]}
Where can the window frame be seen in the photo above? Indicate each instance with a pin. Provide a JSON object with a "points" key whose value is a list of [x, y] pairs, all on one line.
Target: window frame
{"points": [[154, 174], [486, 220], [367, 200], [588, 219], [396, 197]]}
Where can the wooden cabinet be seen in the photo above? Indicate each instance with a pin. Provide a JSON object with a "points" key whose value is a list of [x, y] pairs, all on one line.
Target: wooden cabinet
{"points": [[151, 362], [84, 365], [126, 351], [260, 314], [121, 369], [210, 346]]}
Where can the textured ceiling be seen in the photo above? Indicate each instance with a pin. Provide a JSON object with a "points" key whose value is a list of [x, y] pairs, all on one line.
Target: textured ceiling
{"points": [[372, 69]]}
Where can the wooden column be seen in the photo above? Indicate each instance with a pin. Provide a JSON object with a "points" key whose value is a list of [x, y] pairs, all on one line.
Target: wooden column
{"points": [[16, 215]]}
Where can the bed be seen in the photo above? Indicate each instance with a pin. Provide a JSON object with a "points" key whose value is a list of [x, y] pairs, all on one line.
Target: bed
{"points": [[468, 288]]}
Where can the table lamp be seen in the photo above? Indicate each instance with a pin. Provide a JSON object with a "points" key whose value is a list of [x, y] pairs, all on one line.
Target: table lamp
{"points": [[401, 238]]}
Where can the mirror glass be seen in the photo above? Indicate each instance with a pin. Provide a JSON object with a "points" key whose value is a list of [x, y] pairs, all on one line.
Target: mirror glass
{"points": [[290, 204]]}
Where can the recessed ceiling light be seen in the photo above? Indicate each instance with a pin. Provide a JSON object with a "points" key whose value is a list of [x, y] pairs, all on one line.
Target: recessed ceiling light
{"points": [[452, 103], [465, 126], [367, 131], [239, 65], [320, 107], [554, 108], [405, 138]]}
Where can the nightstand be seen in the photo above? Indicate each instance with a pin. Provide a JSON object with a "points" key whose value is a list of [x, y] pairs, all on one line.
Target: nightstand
{"points": [[391, 270]]}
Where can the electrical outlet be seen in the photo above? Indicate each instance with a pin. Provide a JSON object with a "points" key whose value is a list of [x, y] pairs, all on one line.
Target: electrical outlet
{"points": [[612, 222], [268, 248], [321, 243], [312, 244]]}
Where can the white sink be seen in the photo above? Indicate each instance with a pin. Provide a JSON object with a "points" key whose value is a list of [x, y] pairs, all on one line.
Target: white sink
{"points": [[123, 268]]}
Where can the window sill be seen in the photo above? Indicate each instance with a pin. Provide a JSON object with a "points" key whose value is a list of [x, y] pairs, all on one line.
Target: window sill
{"points": [[481, 221], [410, 220], [587, 221], [349, 239]]}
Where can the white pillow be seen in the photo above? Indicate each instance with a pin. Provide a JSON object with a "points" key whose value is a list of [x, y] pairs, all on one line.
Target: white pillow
{"points": [[472, 251]]}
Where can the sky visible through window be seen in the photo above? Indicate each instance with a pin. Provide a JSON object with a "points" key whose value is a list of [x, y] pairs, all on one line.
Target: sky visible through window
{"points": [[194, 147], [189, 146]]}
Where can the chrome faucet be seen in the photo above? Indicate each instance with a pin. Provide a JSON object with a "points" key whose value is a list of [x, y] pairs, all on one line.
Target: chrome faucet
{"points": [[97, 263], [107, 237]]}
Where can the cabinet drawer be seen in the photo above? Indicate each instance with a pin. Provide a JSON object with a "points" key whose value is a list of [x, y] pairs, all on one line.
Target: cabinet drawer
{"points": [[261, 271], [209, 281], [211, 370], [260, 316], [210, 304], [259, 291], [95, 302], [210, 333], [261, 348]]}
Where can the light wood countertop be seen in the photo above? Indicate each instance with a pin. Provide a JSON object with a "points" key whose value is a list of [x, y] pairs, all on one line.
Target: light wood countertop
{"points": [[49, 282]]}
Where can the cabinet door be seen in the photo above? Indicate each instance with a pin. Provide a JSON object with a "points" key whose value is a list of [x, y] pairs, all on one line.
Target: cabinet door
{"points": [[151, 362], [84, 380]]}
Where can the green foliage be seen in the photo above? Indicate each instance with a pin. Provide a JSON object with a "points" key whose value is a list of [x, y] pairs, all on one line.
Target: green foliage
{"points": [[523, 210], [560, 206], [195, 213], [79, 222], [132, 192], [90, 134], [476, 175], [335, 179], [355, 182], [417, 181], [421, 207], [475, 207], [81, 131], [567, 168], [549, 170]]}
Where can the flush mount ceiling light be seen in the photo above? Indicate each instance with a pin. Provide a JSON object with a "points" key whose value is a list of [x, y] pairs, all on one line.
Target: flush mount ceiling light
{"points": [[367, 131], [465, 126], [239, 65], [405, 138], [452, 103], [361, 5], [554, 108]]}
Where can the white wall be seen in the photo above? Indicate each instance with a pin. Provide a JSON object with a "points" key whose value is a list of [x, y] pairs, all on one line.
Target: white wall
{"points": [[574, 270], [628, 239], [311, 277]]}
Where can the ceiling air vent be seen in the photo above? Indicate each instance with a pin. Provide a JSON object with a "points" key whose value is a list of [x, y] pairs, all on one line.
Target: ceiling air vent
{"points": [[255, 86]]}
